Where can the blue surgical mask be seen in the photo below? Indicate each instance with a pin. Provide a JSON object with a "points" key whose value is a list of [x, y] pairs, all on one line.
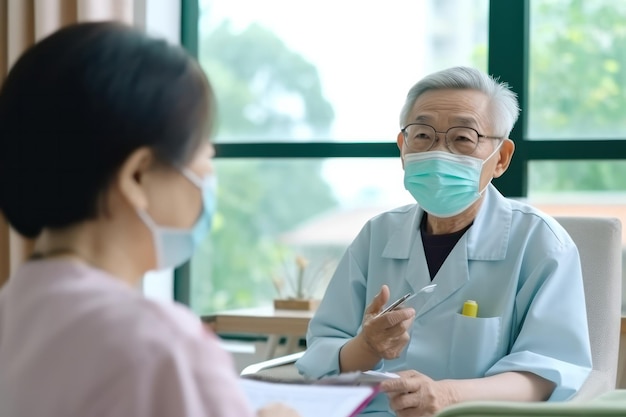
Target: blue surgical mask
{"points": [[443, 184], [175, 246]]}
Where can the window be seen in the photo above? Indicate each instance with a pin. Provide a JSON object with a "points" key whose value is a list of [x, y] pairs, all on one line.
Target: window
{"points": [[310, 95], [289, 211], [577, 70], [577, 76], [572, 125], [309, 98], [560, 58]]}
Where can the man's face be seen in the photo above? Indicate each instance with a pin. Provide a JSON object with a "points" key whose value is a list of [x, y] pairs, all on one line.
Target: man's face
{"points": [[443, 109]]}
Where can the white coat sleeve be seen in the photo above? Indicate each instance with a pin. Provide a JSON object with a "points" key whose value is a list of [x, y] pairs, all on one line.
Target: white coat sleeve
{"points": [[340, 314], [552, 338]]}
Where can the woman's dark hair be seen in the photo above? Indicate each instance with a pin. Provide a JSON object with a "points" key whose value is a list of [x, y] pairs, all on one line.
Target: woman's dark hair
{"points": [[77, 104]]}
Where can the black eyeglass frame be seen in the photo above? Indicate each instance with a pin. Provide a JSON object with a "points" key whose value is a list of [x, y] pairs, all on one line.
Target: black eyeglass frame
{"points": [[445, 136]]}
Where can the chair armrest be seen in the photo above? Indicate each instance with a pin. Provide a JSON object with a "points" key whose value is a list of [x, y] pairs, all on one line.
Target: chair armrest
{"points": [[611, 403], [271, 363]]}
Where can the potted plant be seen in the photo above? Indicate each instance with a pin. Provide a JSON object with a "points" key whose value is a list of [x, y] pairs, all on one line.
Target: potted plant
{"points": [[296, 291]]}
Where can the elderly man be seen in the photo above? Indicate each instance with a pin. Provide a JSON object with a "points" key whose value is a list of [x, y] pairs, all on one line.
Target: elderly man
{"points": [[529, 339]]}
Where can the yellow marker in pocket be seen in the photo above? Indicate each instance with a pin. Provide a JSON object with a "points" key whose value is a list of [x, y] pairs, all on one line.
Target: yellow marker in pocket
{"points": [[470, 308]]}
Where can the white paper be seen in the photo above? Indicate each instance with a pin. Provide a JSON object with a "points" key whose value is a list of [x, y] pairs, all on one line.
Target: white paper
{"points": [[308, 400]]}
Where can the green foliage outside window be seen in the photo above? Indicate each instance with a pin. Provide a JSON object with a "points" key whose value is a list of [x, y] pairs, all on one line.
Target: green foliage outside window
{"points": [[251, 72], [577, 88], [577, 69], [264, 90]]}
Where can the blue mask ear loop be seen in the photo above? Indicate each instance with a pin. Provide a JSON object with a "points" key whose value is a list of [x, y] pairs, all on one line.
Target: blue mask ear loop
{"points": [[191, 176], [206, 185], [486, 159], [209, 181], [494, 151], [187, 173]]}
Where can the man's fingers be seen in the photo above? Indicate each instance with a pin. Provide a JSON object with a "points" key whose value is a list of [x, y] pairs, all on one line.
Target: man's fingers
{"points": [[395, 385], [409, 381], [402, 401], [379, 301], [396, 317]]}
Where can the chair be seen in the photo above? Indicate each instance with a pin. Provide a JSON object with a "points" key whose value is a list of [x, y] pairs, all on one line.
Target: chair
{"points": [[599, 242], [279, 369]]}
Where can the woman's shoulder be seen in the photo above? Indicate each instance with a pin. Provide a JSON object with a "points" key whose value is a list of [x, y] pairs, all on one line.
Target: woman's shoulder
{"points": [[105, 313], [82, 321], [170, 318], [157, 324]]}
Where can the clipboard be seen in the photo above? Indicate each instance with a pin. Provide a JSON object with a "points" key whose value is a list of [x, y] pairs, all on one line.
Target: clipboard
{"points": [[311, 399]]}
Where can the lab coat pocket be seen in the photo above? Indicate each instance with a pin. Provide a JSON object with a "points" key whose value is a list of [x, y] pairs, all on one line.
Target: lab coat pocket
{"points": [[474, 347]]}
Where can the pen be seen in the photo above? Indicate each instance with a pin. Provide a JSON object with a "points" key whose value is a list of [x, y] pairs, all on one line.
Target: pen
{"points": [[405, 297], [395, 304]]}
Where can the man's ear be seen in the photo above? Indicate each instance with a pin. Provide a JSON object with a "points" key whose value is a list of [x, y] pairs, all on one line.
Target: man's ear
{"points": [[506, 153], [400, 142], [131, 178]]}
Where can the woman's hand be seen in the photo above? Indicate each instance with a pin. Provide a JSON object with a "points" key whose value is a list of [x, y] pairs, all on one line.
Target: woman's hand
{"points": [[387, 335], [415, 395], [277, 410]]}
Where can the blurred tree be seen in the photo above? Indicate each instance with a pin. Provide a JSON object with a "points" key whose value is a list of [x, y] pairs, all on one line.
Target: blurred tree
{"points": [[577, 87], [265, 91]]}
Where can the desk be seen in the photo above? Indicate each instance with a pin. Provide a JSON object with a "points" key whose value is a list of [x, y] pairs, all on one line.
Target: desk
{"points": [[294, 324], [263, 320]]}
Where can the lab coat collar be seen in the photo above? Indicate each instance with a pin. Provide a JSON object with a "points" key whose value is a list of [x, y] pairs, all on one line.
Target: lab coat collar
{"points": [[400, 244], [487, 239]]}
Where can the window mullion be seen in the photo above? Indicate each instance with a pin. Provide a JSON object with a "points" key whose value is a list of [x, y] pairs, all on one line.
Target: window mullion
{"points": [[508, 61]]}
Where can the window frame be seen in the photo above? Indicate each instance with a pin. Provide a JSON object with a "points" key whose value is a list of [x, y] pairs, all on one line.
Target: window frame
{"points": [[509, 39], [508, 59]]}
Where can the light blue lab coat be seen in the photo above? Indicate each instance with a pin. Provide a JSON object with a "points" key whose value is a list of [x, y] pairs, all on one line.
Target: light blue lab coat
{"points": [[520, 266]]}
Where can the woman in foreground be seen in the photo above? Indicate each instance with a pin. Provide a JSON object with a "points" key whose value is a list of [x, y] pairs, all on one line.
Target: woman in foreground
{"points": [[105, 160]]}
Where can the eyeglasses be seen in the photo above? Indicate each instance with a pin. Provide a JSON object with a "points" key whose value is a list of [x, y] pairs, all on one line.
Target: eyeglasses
{"points": [[419, 137]]}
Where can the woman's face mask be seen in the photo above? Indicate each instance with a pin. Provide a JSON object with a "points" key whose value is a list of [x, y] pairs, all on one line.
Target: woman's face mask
{"points": [[175, 246], [444, 184]]}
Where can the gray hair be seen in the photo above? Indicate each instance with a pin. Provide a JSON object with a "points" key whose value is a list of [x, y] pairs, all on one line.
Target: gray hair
{"points": [[503, 101]]}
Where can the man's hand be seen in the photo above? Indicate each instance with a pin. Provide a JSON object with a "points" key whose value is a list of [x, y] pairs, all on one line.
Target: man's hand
{"points": [[387, 335], [415, 395]]}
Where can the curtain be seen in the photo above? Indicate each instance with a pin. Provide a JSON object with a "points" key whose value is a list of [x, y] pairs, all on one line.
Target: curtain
{"points": [[23, 22]]}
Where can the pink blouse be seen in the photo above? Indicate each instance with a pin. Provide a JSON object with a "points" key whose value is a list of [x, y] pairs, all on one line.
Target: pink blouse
{"points": [[75, 341]]}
